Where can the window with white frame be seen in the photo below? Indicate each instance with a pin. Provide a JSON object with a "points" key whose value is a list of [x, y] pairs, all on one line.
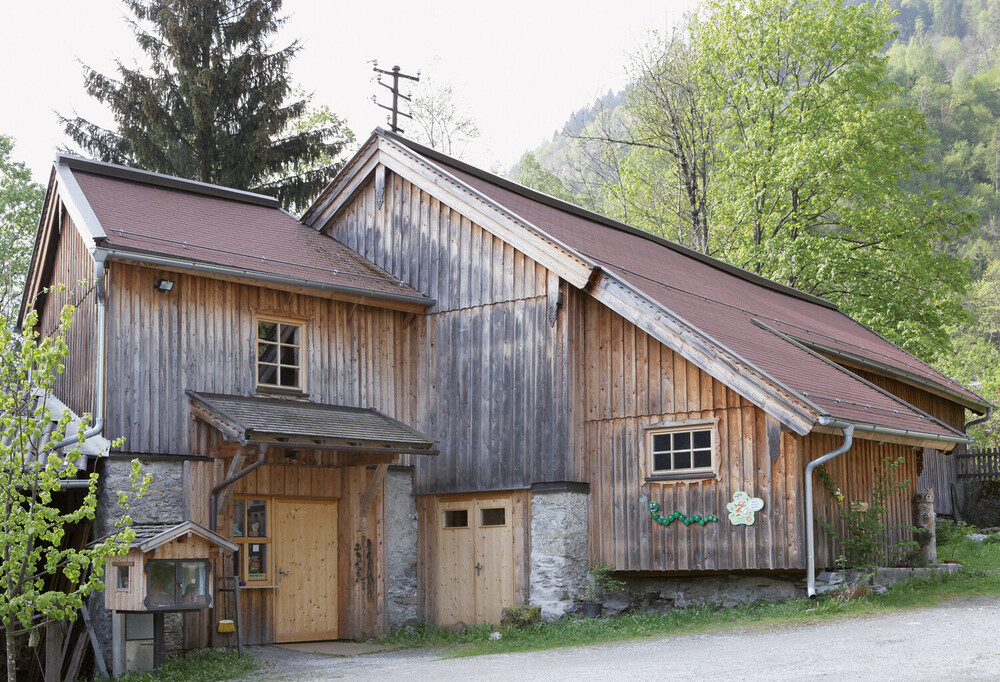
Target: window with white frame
{"points": [[685, 451], [279, 354]]}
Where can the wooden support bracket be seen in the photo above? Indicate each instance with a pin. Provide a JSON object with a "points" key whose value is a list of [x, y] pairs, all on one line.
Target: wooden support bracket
{"points": [[371, 491], [234, 466]]}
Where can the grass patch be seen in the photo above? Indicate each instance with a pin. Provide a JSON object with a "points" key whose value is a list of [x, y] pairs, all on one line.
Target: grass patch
{"points": [[981, 577], [205, 665]]}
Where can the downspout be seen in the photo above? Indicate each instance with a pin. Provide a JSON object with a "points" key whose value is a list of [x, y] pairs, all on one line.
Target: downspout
{"points": [[102, 343], [975, 422], [848, 430], [213, 511]]}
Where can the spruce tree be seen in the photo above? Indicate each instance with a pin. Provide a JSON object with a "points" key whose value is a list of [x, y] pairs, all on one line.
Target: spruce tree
{"points": [[216, 105]]}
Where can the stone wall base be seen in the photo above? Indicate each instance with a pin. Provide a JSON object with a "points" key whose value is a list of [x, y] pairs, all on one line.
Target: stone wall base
{"points": [[660, 595], [558, 565], [400, 547]]}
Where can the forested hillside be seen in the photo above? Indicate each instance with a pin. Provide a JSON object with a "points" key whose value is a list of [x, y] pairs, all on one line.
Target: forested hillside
{"points": [[870, 176]]}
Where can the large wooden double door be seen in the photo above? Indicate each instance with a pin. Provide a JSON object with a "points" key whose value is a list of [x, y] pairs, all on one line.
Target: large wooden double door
{"points": [[305, 560], [475, 559]]}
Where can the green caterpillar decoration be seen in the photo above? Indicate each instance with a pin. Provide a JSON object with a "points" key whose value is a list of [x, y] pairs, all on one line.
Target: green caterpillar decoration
{"points": [[677, 516]]}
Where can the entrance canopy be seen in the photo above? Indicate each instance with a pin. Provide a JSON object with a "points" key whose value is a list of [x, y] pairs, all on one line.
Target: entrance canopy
{"points": [[303, 424]]}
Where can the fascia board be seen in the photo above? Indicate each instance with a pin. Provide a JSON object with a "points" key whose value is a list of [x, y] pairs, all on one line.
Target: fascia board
{"points": [[707, 354], [78, 207]]}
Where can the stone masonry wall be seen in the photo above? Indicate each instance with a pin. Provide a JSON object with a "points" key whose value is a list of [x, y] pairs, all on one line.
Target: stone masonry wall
{"points": [[400, 547], [558, 551], [660, 595]]}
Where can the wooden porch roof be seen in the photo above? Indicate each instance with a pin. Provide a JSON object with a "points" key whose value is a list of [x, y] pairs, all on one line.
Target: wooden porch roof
{"points": [[295, 421]]}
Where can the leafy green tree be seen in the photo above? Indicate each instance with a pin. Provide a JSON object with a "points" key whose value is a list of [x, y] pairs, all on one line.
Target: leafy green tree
{"points": [[33, 523], [214, 106], [811, 153], [20, 206], [531, 174]]}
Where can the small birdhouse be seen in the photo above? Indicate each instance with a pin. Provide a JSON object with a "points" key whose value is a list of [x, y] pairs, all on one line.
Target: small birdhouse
{"points": [[167, 568]]}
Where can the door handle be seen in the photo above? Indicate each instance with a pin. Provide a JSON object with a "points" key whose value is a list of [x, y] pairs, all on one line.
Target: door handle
{"points": [[281, 573], [479, 567]]}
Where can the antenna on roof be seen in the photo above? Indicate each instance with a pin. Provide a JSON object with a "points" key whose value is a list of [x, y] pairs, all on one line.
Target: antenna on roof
{"points": [[395, 113]]}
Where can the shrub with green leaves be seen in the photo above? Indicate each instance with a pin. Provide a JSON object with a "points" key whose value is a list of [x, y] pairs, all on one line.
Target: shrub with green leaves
{"points": [[35, 516]]}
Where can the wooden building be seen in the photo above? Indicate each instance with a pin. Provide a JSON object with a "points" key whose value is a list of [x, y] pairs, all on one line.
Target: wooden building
{"points": [[488, 367]]}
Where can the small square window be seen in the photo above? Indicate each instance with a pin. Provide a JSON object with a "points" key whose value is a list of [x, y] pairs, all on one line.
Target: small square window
{"points": [[122, 575], [456, 518], [496, 516], [279, 354], [681, 452]]}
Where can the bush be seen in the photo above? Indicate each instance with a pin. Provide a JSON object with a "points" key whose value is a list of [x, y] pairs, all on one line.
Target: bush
{"points": [[952, 532]]}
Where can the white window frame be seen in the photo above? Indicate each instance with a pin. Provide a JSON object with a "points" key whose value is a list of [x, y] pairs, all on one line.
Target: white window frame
{"points": [[281, 321], [686, 425]]}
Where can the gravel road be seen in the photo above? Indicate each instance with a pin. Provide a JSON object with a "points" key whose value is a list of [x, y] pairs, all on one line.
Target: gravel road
{"points": [[956, 641]]}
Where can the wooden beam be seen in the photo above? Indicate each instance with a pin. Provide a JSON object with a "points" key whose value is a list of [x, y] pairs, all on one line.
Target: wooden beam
{"points": [[209, 418], [102, 669], [234, 466], [371, 491]]}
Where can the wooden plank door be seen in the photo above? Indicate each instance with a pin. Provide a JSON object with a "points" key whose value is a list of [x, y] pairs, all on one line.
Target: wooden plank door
{"points": [[494, 558], [305, 560], [456, 597], [475, 560]]}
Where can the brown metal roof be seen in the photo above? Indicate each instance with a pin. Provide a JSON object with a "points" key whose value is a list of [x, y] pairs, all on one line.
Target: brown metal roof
{"points": [[724, 302], [272, 417], [146, 213]]}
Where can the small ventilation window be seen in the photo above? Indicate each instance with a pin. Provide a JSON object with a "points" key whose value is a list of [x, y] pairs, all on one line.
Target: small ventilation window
{"points": [[494, 517], [456, 518]]}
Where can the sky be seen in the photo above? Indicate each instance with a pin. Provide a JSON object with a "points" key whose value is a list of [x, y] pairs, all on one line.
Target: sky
{"points": [[518, 68]]}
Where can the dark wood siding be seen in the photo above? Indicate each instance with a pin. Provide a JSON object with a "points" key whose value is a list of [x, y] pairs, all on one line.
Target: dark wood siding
{"points": [[201, 335], [938, 470], [493, 382], [73, 266]]}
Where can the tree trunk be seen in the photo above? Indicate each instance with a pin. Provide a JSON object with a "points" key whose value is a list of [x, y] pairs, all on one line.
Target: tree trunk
{"points": [[11, 654]]}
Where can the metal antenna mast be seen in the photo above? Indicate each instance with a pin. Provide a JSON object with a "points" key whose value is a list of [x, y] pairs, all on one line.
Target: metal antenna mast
{"points": [[393, 118]]}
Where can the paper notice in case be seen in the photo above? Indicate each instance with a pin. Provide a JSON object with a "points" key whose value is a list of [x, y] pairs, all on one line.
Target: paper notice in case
{"points": [[257, 563]]}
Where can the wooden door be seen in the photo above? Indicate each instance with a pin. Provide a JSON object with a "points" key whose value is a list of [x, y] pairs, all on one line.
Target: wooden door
{"points": [[475, 560], [494, 558], [305, 562]]}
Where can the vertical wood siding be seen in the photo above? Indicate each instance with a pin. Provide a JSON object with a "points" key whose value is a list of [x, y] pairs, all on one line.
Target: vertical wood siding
{"points": [[72, 264], [855, 474], [938, 471], [626, 380], [493, 382], [200, 336]]}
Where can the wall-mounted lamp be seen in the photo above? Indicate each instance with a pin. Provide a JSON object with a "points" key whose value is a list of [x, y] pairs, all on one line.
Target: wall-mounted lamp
{"points": [[164, 285]]}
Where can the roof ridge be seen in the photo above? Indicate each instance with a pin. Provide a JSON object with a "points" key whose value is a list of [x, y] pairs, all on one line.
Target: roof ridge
{"points": [[593, 216], [84, 165]]}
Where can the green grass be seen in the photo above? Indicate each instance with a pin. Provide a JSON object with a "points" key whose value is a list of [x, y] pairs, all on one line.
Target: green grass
{"points": [[206, 665], [981, 577]]}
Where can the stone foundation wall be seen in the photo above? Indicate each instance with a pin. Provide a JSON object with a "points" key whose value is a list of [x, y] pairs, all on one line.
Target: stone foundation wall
{"points": [[400, 547], [660, 595], [558, 565]]}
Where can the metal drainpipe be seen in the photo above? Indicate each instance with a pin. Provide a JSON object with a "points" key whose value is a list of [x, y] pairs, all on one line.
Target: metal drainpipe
{"points": [[102, 343], [974, 422], [848, 430], [213, 511]]}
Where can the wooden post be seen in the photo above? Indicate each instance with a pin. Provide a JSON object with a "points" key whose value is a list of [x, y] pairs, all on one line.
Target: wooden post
{"points": [[159, 640], [927, 520], [54, 634]]}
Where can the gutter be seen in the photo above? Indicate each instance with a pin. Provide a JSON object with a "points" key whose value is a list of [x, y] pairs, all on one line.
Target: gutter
{"points": [[102, 345], [848, 430], [230, 271]]}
